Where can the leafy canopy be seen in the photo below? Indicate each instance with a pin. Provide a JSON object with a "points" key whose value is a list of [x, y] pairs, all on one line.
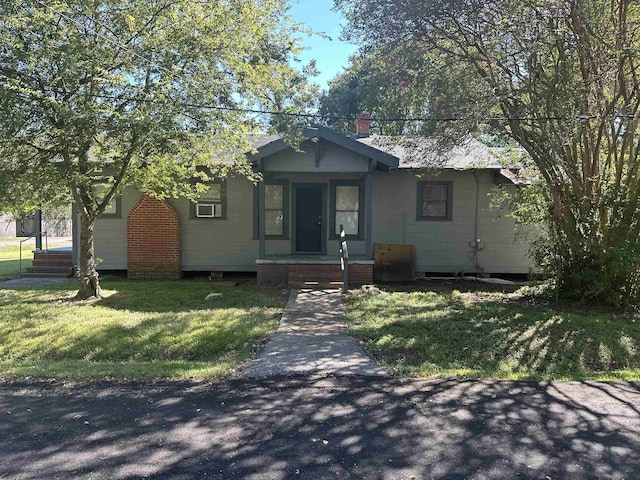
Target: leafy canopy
{"points": [[565, 74], [116, 91], [149, 93]]}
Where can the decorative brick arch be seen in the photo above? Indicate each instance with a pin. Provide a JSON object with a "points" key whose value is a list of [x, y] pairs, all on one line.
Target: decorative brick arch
{"points": [[153, 241]]}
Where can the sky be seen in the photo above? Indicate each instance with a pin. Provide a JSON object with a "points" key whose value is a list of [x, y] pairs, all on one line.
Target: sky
{"points": [[331, 54]]}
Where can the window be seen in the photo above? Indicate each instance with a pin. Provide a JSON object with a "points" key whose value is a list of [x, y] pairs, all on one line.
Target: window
{"points": [[212, 204], [435, 200], [347, 208], [112, 210], [274, 209], [276, 204]]}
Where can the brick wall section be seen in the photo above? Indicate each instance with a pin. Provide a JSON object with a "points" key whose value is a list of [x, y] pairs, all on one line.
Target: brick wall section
{"points": [[153, 240], [272, 274], [360, 274], [295, 275]]}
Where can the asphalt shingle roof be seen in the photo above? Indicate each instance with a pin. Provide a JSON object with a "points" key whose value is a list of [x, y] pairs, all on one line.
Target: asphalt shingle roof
{"points": [[423, 152]]}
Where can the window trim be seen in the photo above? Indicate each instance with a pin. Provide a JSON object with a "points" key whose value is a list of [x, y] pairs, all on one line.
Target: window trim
{"points": [[449, 215], [223, 202], [361, 211], [285, 210]]}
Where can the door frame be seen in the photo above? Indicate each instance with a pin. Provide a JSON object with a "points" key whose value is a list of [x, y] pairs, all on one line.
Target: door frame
{"points": [[294, 220]]}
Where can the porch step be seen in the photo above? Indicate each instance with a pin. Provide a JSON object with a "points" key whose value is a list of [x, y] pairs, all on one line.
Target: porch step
{"points": [[46, 275], [64, 255], [319, 277], [49, 271], [51, 264]]}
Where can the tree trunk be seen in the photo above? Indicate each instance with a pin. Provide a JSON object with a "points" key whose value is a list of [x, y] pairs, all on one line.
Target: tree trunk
{"points": [[89, 283]]}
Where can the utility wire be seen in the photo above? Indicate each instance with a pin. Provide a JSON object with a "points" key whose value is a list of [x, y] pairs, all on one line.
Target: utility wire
{"points": [[310, 115], [320, 116]]}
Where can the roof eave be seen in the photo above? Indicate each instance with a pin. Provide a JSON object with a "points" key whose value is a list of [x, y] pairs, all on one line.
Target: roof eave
{"points": [[382, 159]]}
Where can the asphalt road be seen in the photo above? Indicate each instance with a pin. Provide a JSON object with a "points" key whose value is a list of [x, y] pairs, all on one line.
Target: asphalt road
{"points": [[348, 427]]}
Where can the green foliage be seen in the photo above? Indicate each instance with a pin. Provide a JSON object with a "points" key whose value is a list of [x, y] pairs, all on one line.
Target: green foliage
{"points": [[393, 83], [564, 76], [145, 93]]}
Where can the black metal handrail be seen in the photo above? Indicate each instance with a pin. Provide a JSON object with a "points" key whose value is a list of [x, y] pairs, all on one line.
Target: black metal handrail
{"points": [[344, 260], [46, 249]]}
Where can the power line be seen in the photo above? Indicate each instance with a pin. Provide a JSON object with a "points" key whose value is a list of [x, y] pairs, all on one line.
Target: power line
{"points": [[313, 116], [374, 119]]}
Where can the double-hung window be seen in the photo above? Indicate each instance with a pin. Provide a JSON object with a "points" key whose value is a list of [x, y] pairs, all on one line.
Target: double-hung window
{"points": [[435, 200], [347, 208], [212, 204], [276, 205], [274, 195]]}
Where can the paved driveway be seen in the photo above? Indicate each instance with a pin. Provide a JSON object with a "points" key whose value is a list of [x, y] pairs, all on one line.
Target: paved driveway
{"points": [[301, 427]]}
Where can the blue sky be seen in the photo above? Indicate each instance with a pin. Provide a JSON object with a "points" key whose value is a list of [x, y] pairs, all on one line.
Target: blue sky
{"points": [[331, 55]]}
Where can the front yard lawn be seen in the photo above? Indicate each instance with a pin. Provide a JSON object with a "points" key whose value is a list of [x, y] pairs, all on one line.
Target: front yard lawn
{"points": [[10, 259], [139, 331], [471, 330]]}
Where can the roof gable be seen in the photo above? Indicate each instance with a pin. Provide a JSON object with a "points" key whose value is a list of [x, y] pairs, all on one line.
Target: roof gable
{"points": [[267, 146]]}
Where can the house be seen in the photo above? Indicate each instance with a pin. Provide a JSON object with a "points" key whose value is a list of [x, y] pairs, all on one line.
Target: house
{"points": [[286, 228]]}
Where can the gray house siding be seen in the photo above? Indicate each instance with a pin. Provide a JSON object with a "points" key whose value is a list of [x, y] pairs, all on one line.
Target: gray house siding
{"points": [[110, 234], [317, 157], [446, 245], [230, 243], [205, 243]]}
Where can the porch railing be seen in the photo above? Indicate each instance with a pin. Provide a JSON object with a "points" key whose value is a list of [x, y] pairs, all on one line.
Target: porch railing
{"points": [[46, 248], [344, 260]]}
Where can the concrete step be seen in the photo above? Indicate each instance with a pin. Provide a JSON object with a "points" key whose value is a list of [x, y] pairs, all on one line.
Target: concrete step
{"points": [[52, 261], [64, 270]]}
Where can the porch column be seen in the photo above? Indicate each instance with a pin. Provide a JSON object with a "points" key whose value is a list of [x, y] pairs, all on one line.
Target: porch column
{"points": [[369, 211], [261, 220]]}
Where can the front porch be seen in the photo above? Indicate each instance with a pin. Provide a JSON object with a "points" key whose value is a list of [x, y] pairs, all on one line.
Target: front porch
{"points": [[323, 272], [305, 199]]}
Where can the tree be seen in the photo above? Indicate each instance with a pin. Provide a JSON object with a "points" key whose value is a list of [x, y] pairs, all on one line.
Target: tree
{"points": [[565, 77], [369, 84], [96, 95], [397, 87]]}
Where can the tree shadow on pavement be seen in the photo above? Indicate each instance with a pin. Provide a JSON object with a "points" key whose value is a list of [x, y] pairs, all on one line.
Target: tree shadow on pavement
{"points": [[301, 427]]}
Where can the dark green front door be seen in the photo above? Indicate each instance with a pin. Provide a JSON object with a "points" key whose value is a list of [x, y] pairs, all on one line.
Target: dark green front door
{"points": [[309, 218]]}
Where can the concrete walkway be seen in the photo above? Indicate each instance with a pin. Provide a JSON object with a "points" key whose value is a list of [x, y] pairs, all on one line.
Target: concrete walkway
{"points": [[313, 338], [32, 281]]}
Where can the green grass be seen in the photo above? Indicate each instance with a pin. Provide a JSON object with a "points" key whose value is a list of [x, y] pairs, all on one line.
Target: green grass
{"points": [[9, 259], [488, 334], [139, 331]]}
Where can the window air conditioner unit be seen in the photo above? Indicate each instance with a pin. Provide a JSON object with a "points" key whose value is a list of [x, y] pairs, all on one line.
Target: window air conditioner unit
{"points": [[208, 210]]}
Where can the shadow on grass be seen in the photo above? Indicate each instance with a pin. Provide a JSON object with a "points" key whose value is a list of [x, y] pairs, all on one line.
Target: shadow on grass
{"points": [[184, 296], [444, 332], [139, 322], [323, 428]]}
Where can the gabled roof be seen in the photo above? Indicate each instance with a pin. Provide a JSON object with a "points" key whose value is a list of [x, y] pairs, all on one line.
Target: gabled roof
{"points": [[423, 152], [266, 146]]}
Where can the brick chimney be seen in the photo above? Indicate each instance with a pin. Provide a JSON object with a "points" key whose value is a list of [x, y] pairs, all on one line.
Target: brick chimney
{"points": [[363, 125]]}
